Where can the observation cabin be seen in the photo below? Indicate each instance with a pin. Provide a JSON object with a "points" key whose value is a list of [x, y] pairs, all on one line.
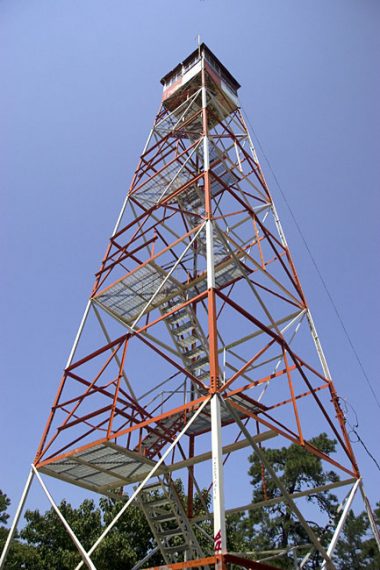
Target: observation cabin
{"points": [[186, 78]]}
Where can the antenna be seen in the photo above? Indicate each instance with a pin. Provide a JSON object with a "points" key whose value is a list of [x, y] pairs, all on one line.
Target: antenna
{"points": [[198, 38]]}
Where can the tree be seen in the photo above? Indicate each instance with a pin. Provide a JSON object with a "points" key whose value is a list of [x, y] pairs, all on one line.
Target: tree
{"points": [[4, 504], [50, 539], [44, 544], [275, 527], [20, 555], [126, 544], [130, 540]]}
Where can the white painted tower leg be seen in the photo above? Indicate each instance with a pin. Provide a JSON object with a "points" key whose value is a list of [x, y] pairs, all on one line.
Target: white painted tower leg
{"points": [[79, 334], [220, 538], [371, 519], [340, 525]]}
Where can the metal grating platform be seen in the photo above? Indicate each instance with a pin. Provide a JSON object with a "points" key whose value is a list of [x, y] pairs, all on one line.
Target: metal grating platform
{"points": [[166, 182], [202, 423], [172, 177], [104, 466], [128, 297]]}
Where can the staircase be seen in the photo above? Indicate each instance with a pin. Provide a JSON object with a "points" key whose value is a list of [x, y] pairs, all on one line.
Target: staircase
{"points": [[168, 522], [191, 346], [188, 337]]}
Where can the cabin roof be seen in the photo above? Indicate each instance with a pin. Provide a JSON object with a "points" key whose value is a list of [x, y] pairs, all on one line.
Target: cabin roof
{"points": [[207, 50]]}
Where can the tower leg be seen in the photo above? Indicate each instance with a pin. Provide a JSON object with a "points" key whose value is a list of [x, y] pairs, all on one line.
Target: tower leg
{"points": [[220, 539], [13, 528], [371, 517], [79, 334], [341, 522]]}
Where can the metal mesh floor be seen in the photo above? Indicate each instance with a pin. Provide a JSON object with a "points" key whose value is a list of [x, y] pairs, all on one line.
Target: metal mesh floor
{"points": [[129, 297], [106, 466], [99, 468], [168, 181]]}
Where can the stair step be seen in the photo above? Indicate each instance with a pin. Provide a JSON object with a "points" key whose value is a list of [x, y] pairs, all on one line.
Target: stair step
{"points": [[193, 205], [157, 502], [191, 200], [151, 439], [204, 375], [187, 340], [152, 486], [177, 316], [165, 510], [164, 518], [175, 549], [195, 352], [183, 329], [171, 532], [161, 434], [198, 363]]}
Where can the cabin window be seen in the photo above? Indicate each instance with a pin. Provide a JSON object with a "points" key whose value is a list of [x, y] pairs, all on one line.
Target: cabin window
{"points": [[191, 63], [229, 86], [173, 79], [213, 64]]}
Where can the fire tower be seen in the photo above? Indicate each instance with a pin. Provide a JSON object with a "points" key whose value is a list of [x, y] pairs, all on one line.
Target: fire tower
{"points": [[197, 340]]}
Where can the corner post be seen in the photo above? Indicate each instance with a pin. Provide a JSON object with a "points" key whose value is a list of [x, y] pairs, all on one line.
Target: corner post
{"points": [[371, 516], [340, 525], [220, 539]]}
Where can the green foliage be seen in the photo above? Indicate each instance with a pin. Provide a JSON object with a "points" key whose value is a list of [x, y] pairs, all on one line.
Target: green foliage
{"points": [[4, 504], [125, 545], [21, 555], [275, 527], [48, 536], [129, 541], [43, 543]]}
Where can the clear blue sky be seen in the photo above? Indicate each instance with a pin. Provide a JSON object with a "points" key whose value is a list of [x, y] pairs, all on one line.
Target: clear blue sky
{"points": [[80, 87]]}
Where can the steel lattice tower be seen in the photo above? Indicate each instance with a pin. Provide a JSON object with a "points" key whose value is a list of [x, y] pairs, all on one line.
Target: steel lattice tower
{"points": [[197, 325]]}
